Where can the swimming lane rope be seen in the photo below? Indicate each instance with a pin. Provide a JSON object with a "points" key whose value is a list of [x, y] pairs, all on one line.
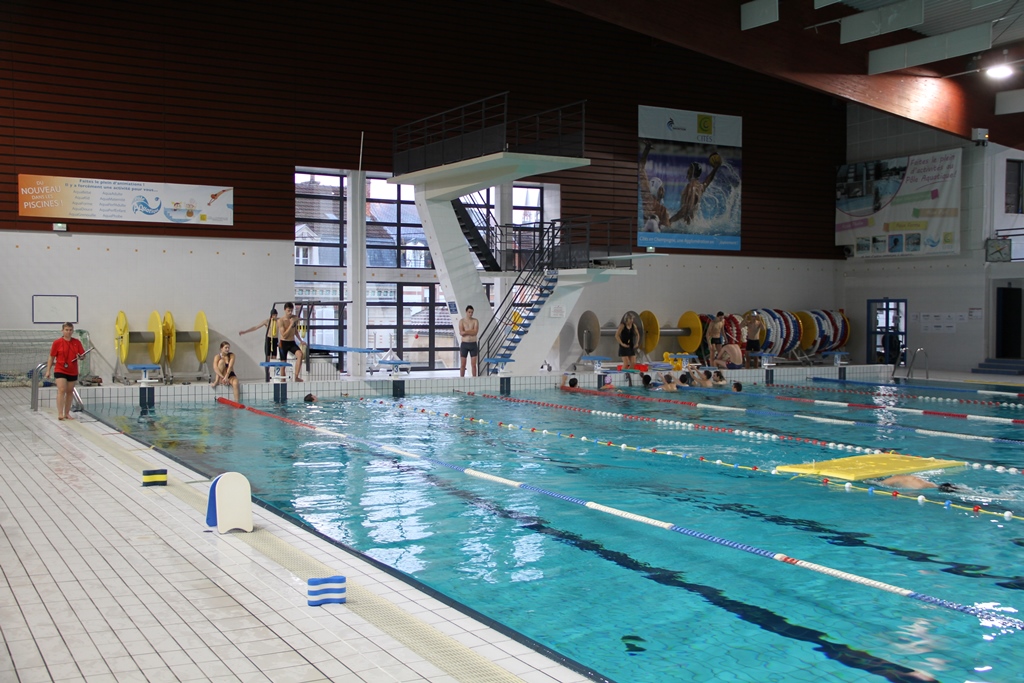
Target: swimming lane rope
{"points": [[815, 418], [897, 395], [984, 392], [991, 617], [848, 487]]}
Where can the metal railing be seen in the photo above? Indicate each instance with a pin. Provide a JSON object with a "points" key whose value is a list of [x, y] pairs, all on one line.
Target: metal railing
{"points": [[910, 365], [481, 128]]}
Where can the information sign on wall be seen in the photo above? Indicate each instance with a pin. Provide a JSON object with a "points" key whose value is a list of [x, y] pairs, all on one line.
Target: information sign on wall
{"points": [[123, 200], [907, 206]]}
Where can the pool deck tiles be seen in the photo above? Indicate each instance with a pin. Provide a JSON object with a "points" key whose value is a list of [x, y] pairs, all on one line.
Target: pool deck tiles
{"points": [[104, 580]]}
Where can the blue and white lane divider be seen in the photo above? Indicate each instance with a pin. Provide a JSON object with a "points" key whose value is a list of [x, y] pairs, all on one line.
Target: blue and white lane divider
{"points": [[997, 618], [994, 618]]}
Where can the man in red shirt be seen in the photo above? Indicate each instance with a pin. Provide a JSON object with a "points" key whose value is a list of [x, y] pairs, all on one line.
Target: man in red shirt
{"points": [[65, 353]]}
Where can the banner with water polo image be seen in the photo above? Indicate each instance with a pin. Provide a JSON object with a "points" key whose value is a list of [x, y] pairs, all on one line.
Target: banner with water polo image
{"points": [[689, 179], [908, 206], [124, 200]]}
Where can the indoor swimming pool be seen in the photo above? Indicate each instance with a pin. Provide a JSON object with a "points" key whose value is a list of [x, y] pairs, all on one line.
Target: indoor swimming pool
{"points": [[670, 572]]}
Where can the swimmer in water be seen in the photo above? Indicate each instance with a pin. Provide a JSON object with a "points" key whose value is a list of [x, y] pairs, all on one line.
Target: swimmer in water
{"points": [[909, 481]]}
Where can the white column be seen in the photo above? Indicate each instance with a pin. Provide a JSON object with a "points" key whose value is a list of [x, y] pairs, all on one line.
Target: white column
{"points": [[355, 259], [503, 214]]}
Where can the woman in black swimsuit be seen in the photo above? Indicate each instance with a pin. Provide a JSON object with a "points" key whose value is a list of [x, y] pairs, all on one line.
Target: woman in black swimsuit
{"points": [[627, 337], [224, 369]]}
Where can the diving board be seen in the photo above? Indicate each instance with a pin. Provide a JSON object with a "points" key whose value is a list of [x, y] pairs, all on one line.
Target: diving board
{"points": [[860, 467]]}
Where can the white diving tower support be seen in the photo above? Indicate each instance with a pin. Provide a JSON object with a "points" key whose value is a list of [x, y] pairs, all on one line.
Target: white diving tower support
{"points": [[436, 187]]}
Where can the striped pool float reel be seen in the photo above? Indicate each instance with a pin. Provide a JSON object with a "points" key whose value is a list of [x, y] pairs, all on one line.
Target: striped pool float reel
{"points": [[154, 477], [326, 591]]}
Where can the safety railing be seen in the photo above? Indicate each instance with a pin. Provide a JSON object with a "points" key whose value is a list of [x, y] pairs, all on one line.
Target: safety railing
{"points": [[481, 128], [910, 365]]}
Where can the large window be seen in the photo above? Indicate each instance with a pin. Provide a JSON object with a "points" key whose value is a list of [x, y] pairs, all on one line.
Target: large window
{"points": [[413, 320], [319, 219], [394, 233]]}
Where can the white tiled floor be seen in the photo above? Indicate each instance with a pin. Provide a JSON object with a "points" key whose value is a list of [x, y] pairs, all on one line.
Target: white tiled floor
{"points": [[106, 580]]}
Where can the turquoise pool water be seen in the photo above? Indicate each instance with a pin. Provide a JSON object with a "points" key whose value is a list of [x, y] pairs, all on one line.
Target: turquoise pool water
{"points": [[640, 603]]}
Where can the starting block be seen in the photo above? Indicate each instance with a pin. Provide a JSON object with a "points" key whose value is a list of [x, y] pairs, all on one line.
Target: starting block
{"points": [[838, 357], [283, 377], [596, 361], [500, 362], [145, 369], [767, 359], [396, 366]]}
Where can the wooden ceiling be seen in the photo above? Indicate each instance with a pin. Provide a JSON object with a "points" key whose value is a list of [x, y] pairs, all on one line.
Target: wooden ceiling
{"points": [[803, 47]]}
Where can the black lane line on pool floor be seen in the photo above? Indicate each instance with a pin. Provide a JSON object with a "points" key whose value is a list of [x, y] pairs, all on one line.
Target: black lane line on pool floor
{"points": [[760, 617]]}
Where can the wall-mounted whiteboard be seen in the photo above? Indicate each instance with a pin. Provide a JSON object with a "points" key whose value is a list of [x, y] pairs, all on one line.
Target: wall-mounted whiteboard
{"points": [[51, 309]]}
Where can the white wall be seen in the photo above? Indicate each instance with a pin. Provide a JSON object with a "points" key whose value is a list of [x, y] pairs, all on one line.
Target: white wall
{"points": [[233, 281], [939, 284]]}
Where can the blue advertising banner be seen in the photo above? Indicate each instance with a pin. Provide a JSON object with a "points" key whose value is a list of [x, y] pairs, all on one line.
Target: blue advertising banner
{"points": [[689, 179]]}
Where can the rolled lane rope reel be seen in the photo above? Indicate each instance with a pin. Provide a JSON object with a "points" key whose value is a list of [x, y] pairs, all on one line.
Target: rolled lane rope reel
{"points": [[589, 330], [783, 332], [161, 337], [689, 332], [198, 337], [124, 338]]}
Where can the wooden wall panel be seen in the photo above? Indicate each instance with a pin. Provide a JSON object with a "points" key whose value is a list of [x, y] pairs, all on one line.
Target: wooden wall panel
{"points": [[241, 94]]}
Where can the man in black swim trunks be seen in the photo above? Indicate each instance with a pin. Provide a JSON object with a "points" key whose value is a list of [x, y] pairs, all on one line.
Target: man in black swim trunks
{"points": [[288, 344]]}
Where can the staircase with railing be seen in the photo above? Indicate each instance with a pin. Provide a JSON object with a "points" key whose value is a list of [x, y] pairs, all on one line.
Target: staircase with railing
{"points": [[517, 312], [479, 227]]}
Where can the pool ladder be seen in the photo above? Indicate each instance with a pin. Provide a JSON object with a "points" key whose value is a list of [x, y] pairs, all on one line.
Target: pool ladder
{"points": [[910, 365]]}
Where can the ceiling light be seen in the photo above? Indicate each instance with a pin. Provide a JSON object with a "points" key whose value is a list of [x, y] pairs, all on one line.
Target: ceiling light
{"points": [[999, 72]]}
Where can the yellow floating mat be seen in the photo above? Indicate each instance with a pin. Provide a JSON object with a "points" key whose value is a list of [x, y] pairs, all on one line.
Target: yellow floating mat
{"points": [[859, 467]]}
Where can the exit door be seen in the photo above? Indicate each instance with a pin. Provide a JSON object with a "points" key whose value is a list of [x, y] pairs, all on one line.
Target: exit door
{"points": [[887, 331]]}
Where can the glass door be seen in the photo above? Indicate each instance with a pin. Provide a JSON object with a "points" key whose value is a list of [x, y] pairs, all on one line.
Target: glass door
{"points": [[887, 331]]}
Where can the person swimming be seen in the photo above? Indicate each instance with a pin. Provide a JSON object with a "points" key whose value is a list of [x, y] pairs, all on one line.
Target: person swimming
{"points": [[910, 481]]}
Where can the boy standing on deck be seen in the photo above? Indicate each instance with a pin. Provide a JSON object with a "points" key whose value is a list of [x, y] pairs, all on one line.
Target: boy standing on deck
{"points": [[289, 327]]}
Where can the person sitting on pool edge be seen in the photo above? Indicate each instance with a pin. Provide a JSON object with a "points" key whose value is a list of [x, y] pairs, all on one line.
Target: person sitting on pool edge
{"points": [[729, 357], [909, 481]]}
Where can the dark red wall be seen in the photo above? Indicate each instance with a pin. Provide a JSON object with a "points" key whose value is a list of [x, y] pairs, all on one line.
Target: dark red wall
{"points": [[240, 94]]}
